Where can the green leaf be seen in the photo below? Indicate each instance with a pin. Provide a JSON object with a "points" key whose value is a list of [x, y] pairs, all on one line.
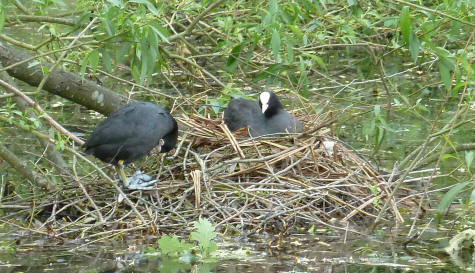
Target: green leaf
{"points": [[82, 70], [269, 72], [233, 58], [450, 196], [414, 45], [161, 32], [441, 52], [33, 63], [122, 53], [297, 31], [447, 156], [94, 59], [106, 59], [152, 39], [204, 235], [444, 69], [290, 52], [273, 7], [172, 245], [216, 105], [250, 51], [117, 3], [45, 69], [457, 87], [405, 23], [148, 4], [318, 60], [275, 44], [468, 158], [311, 230], [107, 21]]}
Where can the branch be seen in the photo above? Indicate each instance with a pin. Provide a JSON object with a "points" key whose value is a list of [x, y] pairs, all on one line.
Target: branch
{"points": [[43, 113], [60, 82], [22, 168], [43, 19], [449, 150], [194, 22]]}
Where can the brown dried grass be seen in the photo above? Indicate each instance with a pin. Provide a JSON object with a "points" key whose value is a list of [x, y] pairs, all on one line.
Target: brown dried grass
{"points": [[281, 183]]}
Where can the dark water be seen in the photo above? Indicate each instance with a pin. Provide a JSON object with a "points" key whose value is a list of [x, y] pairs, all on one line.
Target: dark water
{"points": [[320, 252]]}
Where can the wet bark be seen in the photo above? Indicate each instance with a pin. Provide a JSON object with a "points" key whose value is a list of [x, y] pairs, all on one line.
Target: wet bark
{"points": [[60, 82]]}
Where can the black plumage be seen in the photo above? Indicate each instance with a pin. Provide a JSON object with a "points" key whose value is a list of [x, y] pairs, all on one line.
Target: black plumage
{"points": [[265, 116], [131, 132]]}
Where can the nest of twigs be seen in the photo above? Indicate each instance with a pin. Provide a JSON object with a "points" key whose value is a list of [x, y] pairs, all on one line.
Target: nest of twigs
{"points": [[281, 183]]}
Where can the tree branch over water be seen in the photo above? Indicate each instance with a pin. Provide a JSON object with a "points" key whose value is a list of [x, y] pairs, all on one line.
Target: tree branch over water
{"points": [[60, 82]]}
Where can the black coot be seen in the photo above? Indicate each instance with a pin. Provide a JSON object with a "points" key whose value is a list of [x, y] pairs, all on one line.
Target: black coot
{"points": [[130, 133], [267, 116]]}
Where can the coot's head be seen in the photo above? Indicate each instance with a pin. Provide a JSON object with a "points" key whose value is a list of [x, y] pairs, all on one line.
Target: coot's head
{"points": [[168, 142], [269, 103]]}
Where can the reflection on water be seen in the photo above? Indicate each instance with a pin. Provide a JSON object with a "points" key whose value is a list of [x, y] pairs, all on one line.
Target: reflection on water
{"points": [[304, 253]]}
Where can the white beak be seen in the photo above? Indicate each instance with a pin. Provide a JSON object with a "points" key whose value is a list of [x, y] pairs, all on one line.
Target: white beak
{"points": [[160, 144]]}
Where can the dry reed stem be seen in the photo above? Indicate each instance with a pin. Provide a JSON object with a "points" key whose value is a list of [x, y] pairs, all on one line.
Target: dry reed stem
{"points": [[278, 183]]}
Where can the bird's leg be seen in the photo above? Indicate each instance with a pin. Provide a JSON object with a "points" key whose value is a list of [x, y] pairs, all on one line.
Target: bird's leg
{"points": [[141, 181], [138, 181], [120, 167]]}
